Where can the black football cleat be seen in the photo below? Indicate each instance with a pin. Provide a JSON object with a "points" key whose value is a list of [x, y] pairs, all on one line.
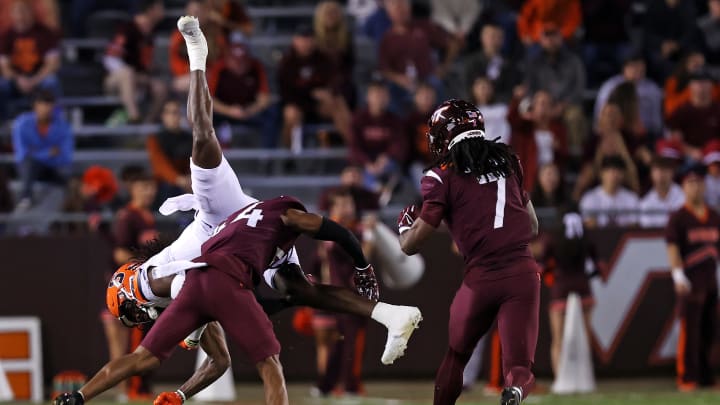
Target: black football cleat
{"points": [[511, 396], [67, 398]]}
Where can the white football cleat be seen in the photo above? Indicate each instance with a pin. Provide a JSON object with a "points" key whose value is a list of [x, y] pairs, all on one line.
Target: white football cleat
{"points": [[189, 27], [402, 325]]}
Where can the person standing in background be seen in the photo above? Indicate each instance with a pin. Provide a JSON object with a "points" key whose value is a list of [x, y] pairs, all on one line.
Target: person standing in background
{"points": [[134, 226], [692, 237]]}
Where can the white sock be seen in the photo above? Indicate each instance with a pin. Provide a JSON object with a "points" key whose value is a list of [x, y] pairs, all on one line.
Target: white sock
{"points": [[196, 46], [382, 314]]}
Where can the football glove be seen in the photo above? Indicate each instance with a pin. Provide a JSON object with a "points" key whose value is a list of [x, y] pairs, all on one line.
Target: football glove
{"points": [[366, 283], [169, 398], [68, 398], [407, 218]]}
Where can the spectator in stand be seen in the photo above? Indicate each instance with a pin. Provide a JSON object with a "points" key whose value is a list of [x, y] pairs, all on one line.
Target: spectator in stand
{"points": [[169, 150], [696, 122], [351, 178], [664, 197], [45, 12], [490, 63], [608, 140], [241, 93], [610, 204], [605, 41], [669, 30], [537, 137], [179, 64], [361, 10], [535, 15], [677, 91], [134, 226], [549, 191], [709, 26], [711, 159], [344, 363], [231, 16], [406, 54], [335, 40], [43, 143], [495, 113], [91, 194], [305, 80], [29, 56], [649, 95], [129, 62], [561, 73], [378, 142], [377, 23], [416, 126], [81, 9], [457, 17]]}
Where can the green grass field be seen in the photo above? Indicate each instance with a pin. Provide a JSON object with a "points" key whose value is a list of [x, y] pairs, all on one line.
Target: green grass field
{"points": [[620, 392]]}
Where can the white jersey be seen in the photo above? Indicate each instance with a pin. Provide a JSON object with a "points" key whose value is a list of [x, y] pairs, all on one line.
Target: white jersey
{"points": [[618, 209], [655, 211], [216, 195]]}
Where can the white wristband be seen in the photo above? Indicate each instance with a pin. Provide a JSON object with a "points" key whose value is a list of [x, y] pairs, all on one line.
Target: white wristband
{"points": [[403, 229], [182, 395], [678, 276]]}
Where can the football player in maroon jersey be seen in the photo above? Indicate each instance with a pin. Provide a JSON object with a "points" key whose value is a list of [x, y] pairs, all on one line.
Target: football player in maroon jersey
{"points": [[475, 186]]}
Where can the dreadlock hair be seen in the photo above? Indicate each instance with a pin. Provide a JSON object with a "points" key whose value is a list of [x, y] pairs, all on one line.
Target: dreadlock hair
{"points": [[480, 157], [149, 249]]}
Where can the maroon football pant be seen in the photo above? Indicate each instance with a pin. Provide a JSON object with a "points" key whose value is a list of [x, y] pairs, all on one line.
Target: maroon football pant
{"points": [[211, 295], [346, 357], [515, 302], [698, 320]]}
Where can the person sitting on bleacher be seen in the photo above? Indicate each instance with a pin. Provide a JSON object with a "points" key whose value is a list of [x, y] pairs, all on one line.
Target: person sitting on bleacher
{"points": [[129, 62], [168, 151], [43, 144], [305, 79], [179, 65], [241, 93], [29, 56], [231, 16]]}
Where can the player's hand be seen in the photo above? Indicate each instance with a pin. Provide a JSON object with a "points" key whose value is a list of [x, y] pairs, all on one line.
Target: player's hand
{"points": [[407, 218], [69, 398], [366, 283], [681, 282], [168, 398]]}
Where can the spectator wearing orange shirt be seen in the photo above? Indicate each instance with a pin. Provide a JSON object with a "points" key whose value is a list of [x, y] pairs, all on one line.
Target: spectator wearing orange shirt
{"points": [[128, 61], [179, 64], [677, 91], [231, 16], [535, 14], [169, 151], [241, 93], [29, 56]]}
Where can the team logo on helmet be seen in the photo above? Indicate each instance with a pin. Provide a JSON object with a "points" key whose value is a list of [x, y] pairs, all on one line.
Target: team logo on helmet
{"points": [[124, 298], [452, 118]]}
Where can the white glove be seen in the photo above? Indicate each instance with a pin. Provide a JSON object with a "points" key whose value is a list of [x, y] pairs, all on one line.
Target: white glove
{"points": [[682, 284]]}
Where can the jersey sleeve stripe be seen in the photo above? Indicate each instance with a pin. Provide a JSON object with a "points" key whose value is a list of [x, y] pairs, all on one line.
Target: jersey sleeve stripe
{"points": [[434, 175]]}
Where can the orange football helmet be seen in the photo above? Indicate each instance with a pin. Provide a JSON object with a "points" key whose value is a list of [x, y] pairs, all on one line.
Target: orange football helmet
{"points": [[124, 299]]}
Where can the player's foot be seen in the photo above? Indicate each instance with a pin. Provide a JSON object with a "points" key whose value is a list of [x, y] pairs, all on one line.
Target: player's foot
{"points": [[197, 47], [511, 396], [687, 387], [190, 344], [401, 324]]}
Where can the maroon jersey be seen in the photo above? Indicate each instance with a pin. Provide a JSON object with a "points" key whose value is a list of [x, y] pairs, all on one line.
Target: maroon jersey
{"points": [[133, 227], [487, 219], [341, 265], [134, 47], [251, 239], [697, 239]]}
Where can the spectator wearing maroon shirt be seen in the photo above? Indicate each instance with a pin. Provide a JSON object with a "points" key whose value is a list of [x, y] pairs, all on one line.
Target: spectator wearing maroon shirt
{"points": [[305, 79], [416, 127], [378, 141], [128, 61], [241, 93], [29, 56], [537, 137], [335, 40], [351, 178], [697, 121], [406, 54]]}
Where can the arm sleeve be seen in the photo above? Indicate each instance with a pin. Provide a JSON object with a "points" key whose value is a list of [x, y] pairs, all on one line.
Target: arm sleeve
{"points": [[434, 192], [162, 168]]}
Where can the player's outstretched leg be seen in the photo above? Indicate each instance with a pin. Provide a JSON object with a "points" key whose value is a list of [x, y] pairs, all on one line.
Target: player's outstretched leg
{"points": [[206, 152], [401, 321]]}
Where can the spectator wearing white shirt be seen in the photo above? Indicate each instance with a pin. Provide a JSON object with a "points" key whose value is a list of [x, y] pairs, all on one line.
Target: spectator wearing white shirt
{"points": [[610, 204], [711, 158], [456, 16], [663, 198], [649, 94], [495, 113]]}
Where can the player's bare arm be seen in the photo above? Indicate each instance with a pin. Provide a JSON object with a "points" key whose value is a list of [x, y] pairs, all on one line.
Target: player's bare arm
{"points": [[413, 238], [534, 225], [218, 360]]}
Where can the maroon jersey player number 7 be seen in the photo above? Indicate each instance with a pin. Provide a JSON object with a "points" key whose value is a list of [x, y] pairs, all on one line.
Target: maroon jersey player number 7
{"points": [[475, 186]]}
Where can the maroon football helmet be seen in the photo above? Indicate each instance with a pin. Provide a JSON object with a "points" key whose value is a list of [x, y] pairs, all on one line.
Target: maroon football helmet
{"points": [[451, 119]]}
